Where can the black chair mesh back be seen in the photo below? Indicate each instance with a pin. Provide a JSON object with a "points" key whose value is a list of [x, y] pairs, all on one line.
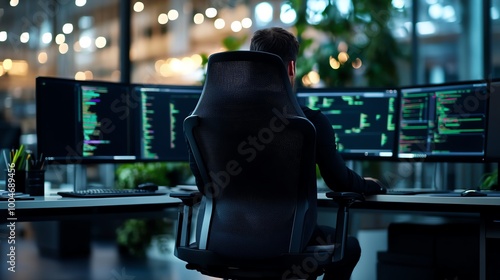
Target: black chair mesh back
{"points": [[259, 168]]}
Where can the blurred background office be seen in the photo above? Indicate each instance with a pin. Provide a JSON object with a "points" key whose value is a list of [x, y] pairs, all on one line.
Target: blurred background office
{"points": [[345, 43]]}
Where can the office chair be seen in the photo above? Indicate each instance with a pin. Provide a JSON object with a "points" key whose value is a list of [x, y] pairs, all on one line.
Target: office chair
{"points": [[255, 152]]}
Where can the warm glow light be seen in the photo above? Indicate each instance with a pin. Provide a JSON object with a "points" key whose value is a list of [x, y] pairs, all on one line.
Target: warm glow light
{"points": [[162, 18], [25, 37], [67, 28], [80, 76], [342, 47], [2, 72], [158, 64], [343, 57], [165, 70], [211, 12], [60, 38], [85, 42], [236, 26], [89, 75], [7, 64], [357, 63], [198, 18], [197, 59], [175, 65], [19, 68], [42, 57], [63, 48], [3, 36], [138, 7], [311, 78], [173, 14], [14, 3], [219, 23], [80, 3], [334, 63], [100, 42], [77, 47], [47, 37], [246, 23]]}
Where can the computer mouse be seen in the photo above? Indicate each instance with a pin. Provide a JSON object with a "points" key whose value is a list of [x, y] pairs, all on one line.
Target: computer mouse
{"points": [[148, 186], [472, 193]]}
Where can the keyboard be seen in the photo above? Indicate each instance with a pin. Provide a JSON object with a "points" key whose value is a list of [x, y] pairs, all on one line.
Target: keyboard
{"points": [[415, 191], [93, 193]]}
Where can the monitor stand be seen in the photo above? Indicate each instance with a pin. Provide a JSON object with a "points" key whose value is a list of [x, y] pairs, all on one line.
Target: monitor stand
{"points": [[78, 174]]}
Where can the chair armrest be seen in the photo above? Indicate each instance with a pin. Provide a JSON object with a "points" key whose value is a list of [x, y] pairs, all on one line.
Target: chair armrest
{"points": [[344, 200], [184, 219], [188, 198]]}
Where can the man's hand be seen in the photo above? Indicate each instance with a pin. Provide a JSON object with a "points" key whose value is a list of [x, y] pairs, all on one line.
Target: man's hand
{"points": [[374, 186]]}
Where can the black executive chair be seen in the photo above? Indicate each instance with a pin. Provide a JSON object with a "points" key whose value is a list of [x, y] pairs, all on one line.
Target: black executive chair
{"points": [[255, 152]]}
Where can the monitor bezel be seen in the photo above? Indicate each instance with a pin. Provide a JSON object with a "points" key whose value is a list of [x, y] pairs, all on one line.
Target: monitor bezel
{"points": [[492, 140]]}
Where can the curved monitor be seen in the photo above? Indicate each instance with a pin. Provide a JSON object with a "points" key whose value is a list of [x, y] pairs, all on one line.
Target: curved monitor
{"points": [[443, 122], [364, 119]]}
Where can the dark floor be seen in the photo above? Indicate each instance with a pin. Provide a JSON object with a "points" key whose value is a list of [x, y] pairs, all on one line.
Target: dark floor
{"points": [[104, 263]]}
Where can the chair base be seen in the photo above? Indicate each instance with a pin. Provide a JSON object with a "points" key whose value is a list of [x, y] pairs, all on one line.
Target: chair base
{"points": [[293, 266]]}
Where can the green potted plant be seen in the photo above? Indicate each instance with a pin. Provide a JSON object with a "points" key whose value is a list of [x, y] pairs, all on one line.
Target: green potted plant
{"points": [[135, 236], [490, 181]]}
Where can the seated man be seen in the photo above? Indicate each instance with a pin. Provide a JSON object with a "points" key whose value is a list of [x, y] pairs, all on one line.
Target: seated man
{"points": [[335, 173]]}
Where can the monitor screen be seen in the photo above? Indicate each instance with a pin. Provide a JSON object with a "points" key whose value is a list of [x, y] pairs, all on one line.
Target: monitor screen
{"points": [[364, 120], [493, 135], [160, 120], [83, 121], [446, 121]]}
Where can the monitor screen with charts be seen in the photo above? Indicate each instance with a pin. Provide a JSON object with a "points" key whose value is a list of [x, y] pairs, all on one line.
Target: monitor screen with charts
{"points": [[364, 120], [161, 114], [444, 122], [83, 121]]}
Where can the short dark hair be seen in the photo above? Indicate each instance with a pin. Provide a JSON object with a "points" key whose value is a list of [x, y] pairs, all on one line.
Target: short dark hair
{"points": [[278, 41]]}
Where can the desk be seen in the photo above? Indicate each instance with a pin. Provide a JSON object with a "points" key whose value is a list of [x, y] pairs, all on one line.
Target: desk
{"points": [[484, 208], [55, 207]]}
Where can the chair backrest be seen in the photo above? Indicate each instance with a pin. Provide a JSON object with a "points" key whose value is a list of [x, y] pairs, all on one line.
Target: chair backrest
{"points": [[255, 151]]}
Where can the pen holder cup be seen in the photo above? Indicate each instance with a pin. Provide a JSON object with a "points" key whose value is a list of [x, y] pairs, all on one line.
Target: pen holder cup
{"points": [[15, 180], [36, 182]]}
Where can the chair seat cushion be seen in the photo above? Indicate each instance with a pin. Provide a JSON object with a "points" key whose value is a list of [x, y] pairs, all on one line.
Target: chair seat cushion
{"points": [[310, 262]]}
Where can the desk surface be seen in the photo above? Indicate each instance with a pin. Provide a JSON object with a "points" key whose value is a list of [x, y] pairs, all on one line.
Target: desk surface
{"points": [[55, 207], [56, 201], [55, 204]]}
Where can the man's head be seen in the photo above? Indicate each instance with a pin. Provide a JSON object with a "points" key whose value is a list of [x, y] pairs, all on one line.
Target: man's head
{"points": [[278, 41]]}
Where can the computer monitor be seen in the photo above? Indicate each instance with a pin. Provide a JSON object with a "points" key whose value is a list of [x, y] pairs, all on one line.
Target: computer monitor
{"points": [[160, 120], [443, 122], [493, 134], [83, 121], [364, 120]]}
